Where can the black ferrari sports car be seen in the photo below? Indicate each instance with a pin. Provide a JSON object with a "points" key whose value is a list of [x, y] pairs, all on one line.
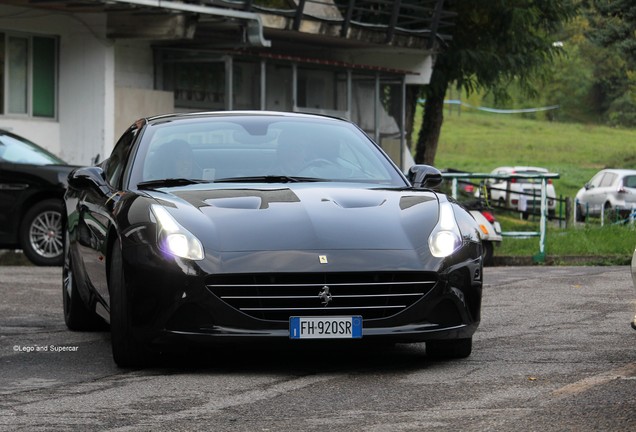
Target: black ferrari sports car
{"points": [[265, 226], [32, 185]]}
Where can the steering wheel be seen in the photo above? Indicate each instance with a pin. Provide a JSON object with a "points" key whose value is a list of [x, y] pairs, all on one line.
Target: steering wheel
{"points": [[321, 167], [319, 162]]}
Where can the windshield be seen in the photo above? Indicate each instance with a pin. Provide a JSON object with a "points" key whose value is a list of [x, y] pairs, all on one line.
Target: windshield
{"points": [[22, 151], [260, 148]]}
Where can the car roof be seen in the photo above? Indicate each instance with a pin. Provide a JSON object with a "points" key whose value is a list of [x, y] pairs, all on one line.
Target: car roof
{"points": [[521, 169], [255, 113], [621, 172]]}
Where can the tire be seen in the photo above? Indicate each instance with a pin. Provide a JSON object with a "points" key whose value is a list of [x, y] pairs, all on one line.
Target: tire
{"points": [[580, 217], [76, 315], [127, 352], [41, 233], [608, 211], [449, 349], [487, 252]]}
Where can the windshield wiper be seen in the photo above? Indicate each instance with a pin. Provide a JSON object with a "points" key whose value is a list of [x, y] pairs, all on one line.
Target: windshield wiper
{"points": [[268, 179], [151, 184]]}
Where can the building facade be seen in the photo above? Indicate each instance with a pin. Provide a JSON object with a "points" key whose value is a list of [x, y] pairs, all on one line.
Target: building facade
{"points": [[75, 74]]}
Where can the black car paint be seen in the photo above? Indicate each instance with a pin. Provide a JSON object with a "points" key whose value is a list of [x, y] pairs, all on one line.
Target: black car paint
{"points": [[30, 183], [372, 248], [369, 229], [21, 186]]}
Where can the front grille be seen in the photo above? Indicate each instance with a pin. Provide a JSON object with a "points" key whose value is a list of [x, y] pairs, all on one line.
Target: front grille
{"points": [[278, 296]]}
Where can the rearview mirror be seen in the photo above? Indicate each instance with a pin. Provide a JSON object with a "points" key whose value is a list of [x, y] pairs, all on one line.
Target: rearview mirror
{"points": [[89, 177], [424, 176]]}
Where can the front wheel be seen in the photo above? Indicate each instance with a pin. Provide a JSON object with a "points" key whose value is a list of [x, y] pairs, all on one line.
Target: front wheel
{"points": [[449, 349], [608, 211], [487, 252], [41, 236], [77, 316], [580, 215], [127, 352]]}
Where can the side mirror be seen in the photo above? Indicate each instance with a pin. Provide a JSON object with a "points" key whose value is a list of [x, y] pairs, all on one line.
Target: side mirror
{"points": [[424, 176], [89, 177], [588, 186]]}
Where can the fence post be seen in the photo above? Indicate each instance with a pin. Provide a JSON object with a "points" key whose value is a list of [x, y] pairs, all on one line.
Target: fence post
{"points": [[540, 257], [575, 211], [602, 215]]}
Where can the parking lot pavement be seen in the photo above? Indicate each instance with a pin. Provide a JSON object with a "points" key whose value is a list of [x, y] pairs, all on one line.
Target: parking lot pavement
{"points": [[554, 352]]}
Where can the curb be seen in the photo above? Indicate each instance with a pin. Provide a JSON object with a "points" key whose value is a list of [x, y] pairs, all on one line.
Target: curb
{"points": [[566, 260]]}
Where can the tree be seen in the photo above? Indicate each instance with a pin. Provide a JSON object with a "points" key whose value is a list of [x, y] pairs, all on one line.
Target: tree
{"points": [[614, 25], [613, 28], [494, 43]]}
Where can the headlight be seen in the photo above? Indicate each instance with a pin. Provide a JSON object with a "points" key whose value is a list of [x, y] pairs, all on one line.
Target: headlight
{"points": [[174, 238], [445, 238]]}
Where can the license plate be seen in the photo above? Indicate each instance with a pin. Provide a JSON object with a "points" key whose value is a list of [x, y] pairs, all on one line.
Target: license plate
{"points": [[325, 327]]}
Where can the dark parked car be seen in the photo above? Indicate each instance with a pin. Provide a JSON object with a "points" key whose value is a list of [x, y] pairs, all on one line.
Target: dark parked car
{"points": [[32, 185], [248, 226]]}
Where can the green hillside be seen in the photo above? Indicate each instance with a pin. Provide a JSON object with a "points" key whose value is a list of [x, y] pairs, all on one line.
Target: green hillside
{"points": [[479, 142]]}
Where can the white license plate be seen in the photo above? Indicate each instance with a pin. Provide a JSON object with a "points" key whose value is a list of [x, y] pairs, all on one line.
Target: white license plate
{"points": [[325, 327]]}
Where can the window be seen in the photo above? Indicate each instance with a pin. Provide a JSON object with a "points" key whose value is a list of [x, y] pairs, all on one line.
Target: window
{"points": [[196, 85], [28, 74], [322, 89], [247, 85], [608, 180], [114, 165], [629, 181]]}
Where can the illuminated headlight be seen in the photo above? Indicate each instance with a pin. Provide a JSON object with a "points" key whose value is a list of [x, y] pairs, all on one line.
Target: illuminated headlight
{"points": [[174, 238], [445, 238]]}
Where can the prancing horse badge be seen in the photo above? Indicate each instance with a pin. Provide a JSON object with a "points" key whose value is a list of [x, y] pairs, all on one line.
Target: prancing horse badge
{"points": [[323, 259]]}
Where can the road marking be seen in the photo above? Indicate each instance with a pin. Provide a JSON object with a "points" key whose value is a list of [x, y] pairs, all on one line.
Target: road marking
{"points": [[624, 372]]}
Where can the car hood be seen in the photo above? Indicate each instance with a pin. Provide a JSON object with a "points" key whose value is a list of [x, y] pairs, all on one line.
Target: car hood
{"points": [[305, 216]]}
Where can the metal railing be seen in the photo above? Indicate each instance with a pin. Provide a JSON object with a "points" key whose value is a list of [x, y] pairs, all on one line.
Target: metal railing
{"points": [[423, 18], [615, 215], [542, 177]]}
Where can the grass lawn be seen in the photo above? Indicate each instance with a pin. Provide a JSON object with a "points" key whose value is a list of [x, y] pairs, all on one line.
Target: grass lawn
{"points": [[480, 142], [614, 243]]}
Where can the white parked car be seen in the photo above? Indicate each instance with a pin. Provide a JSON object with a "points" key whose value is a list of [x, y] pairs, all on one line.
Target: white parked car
{"points": [[523, 194], [609, 189]]}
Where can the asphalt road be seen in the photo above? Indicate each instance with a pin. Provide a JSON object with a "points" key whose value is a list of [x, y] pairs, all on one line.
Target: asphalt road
{"points": [[555, 352]]}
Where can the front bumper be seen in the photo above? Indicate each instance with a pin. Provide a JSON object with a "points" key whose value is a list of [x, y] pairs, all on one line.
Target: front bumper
{"points": [[403, 334], [174, 301]]}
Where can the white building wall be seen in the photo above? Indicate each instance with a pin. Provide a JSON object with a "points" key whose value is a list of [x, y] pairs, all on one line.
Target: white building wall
{"points": [[135, 96], [86, 93], [134, 64], [84, 126]]}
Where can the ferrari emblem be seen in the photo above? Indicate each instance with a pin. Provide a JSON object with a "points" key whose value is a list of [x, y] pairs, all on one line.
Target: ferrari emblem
{"points": [[323, 259], [325, 296]]}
